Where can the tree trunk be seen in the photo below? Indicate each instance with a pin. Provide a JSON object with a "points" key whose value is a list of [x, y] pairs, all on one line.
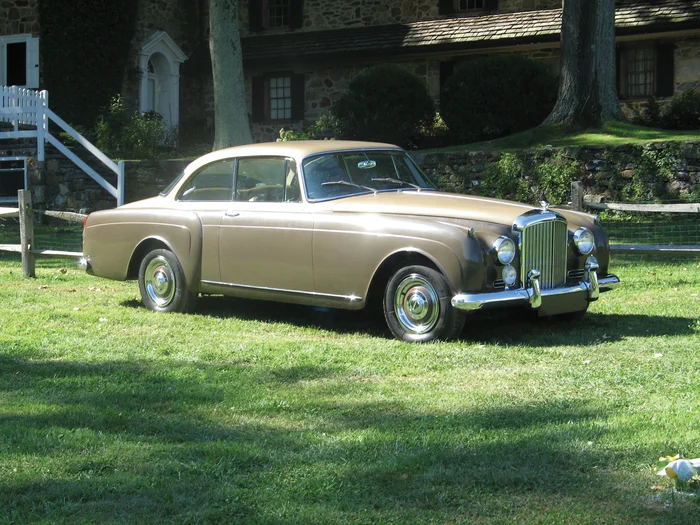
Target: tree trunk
{"points": [[587, 88], [230, 104]]}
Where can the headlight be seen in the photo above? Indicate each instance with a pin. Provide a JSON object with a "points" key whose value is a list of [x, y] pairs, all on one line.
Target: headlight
{"points": [[505, 250], [509, 275], [584, 241]]}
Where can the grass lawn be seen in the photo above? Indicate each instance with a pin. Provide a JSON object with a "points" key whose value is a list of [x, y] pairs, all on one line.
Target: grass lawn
{"points": [[612, 134], [247, 412]]}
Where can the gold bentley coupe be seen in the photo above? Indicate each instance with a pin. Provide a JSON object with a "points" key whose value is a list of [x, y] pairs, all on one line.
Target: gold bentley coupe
{"points": [[347, 225]]}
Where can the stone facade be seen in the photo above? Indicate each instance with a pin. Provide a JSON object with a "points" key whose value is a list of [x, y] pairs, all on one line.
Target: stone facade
{"points": [[21, 17]]}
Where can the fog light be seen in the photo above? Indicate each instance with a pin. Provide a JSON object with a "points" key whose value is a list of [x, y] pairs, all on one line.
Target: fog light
{"points": [[509, 275]]}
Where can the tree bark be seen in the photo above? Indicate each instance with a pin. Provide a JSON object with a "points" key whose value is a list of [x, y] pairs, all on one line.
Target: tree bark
{"points": [[231, 124], [587, 88]]}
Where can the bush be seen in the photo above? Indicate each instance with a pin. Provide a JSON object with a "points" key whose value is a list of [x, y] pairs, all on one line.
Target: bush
{"points": [[519, 178], [492, 97], [385, 103], [121, 134], [683, 112]]}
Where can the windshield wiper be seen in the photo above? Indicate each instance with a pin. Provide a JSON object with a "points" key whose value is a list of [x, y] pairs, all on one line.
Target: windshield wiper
{"points": [[397, 181], [346, 183]]}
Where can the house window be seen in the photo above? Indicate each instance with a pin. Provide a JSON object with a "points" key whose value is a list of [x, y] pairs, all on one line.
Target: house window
{"points": [[277, 12], [468, 5], [278, 97], [640, 72], [280, 93], [19, 61], [646, 69]]}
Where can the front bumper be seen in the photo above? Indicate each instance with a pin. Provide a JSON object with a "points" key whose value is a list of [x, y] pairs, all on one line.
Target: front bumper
{"points": [[532, 295]]}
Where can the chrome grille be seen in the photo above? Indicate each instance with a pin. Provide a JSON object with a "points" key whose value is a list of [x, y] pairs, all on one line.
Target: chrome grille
{"points": [[544, 247]]}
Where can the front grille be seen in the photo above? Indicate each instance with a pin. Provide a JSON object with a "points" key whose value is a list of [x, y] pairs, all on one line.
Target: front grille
{"points": [[543, 247]]}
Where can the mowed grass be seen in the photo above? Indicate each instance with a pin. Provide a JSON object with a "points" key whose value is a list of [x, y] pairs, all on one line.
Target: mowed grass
{"points": [[249, 412]]}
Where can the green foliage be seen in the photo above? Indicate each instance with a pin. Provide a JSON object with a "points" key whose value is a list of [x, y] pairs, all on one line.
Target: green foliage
{"points": [[683, 112], [325, 127], [384, 103], [132, 135], [654, 168], [492, 97], [84, 51], [530, 179]]}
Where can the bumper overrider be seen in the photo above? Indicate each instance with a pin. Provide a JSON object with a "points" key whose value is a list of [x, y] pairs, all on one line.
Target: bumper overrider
{"points": [[532, 294]]}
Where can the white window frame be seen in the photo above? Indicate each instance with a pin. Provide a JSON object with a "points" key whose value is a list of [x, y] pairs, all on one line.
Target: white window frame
{"points": [[32, 58]]}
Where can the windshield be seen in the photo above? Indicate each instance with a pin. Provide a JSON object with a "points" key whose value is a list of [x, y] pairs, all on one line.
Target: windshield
{"points": [[334, 175]]}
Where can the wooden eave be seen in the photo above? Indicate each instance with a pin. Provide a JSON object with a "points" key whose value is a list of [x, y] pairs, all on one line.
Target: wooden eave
{"points": [[457, 35]]}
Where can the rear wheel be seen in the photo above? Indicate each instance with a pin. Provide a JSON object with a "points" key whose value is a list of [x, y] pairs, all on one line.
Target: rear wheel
{"points": [[162, 283], [417, 306]]}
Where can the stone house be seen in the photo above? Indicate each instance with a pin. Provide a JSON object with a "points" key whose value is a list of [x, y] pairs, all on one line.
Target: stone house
{"points": [[299, 55]]}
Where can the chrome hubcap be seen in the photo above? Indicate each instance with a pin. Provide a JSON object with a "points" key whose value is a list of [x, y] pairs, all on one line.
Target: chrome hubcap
{"points": [[417, 304], [159, 281]]}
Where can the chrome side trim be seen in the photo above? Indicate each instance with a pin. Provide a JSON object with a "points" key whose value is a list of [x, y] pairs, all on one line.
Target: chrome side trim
{"points": [[532, 295], [350, 298]]}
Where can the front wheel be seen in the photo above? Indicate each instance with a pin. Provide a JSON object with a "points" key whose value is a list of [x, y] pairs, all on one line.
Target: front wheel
{"points": [[417, 306], [162, 283]]}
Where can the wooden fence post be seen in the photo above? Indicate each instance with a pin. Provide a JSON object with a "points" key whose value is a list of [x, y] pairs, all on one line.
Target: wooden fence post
{"points": [[577, 196], [26, 232]]}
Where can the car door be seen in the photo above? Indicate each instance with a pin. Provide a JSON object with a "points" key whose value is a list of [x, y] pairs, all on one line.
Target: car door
{"points": [[266, 234], [209, 193]]}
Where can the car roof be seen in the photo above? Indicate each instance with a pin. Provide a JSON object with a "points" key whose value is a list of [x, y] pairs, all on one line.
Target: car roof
{"points": [[297, 149]]}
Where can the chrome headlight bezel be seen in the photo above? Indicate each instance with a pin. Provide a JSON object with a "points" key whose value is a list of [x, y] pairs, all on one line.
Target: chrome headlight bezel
{"points": [[505, 250], [584, 241]]}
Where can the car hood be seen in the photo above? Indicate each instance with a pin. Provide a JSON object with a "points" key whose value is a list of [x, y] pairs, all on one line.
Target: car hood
{"points": [[436, 205]]}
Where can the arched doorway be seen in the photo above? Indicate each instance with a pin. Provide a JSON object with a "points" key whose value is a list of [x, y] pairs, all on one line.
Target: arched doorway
{"points": [[159, 62]]}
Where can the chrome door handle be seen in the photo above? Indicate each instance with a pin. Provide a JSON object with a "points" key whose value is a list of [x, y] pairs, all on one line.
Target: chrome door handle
{"points": [[232, 214]]}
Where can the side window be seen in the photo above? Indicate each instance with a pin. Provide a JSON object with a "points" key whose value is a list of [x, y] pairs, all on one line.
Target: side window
{"points": [[267, 179], [214, 182]]}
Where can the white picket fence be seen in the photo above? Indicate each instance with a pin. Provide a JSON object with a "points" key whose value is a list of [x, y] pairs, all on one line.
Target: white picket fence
{"points": [[28, 113]]}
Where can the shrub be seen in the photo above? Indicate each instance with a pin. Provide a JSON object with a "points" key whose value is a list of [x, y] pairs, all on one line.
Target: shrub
{"points": [[492, 97], [530, 180], [122, 134], [683, 112], [385, 103]]}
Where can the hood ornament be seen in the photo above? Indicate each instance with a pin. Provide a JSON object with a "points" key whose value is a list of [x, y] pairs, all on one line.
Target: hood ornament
{"points": [[544, 204]]}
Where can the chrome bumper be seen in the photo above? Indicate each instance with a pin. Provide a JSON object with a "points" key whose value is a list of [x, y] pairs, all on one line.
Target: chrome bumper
{"points": [[84, 264], [532, 294]]}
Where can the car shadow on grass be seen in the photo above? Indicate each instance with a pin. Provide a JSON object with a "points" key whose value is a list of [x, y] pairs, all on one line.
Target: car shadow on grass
{"points": [[495, 327]]}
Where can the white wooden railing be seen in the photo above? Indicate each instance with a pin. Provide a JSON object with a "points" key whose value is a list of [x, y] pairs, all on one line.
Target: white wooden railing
{"points": [[28, 113]]}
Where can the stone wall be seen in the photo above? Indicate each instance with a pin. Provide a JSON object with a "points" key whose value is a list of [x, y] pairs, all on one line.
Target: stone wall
{"points": [[603, 171], [19, 17]]}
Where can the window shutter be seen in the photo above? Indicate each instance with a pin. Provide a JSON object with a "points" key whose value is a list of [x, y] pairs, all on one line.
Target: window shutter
{"points": [[255, 15], [296, 14], [298, 96], [665, 84], [491, 5], [446, 7], [258, 99], [33, 63]]}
